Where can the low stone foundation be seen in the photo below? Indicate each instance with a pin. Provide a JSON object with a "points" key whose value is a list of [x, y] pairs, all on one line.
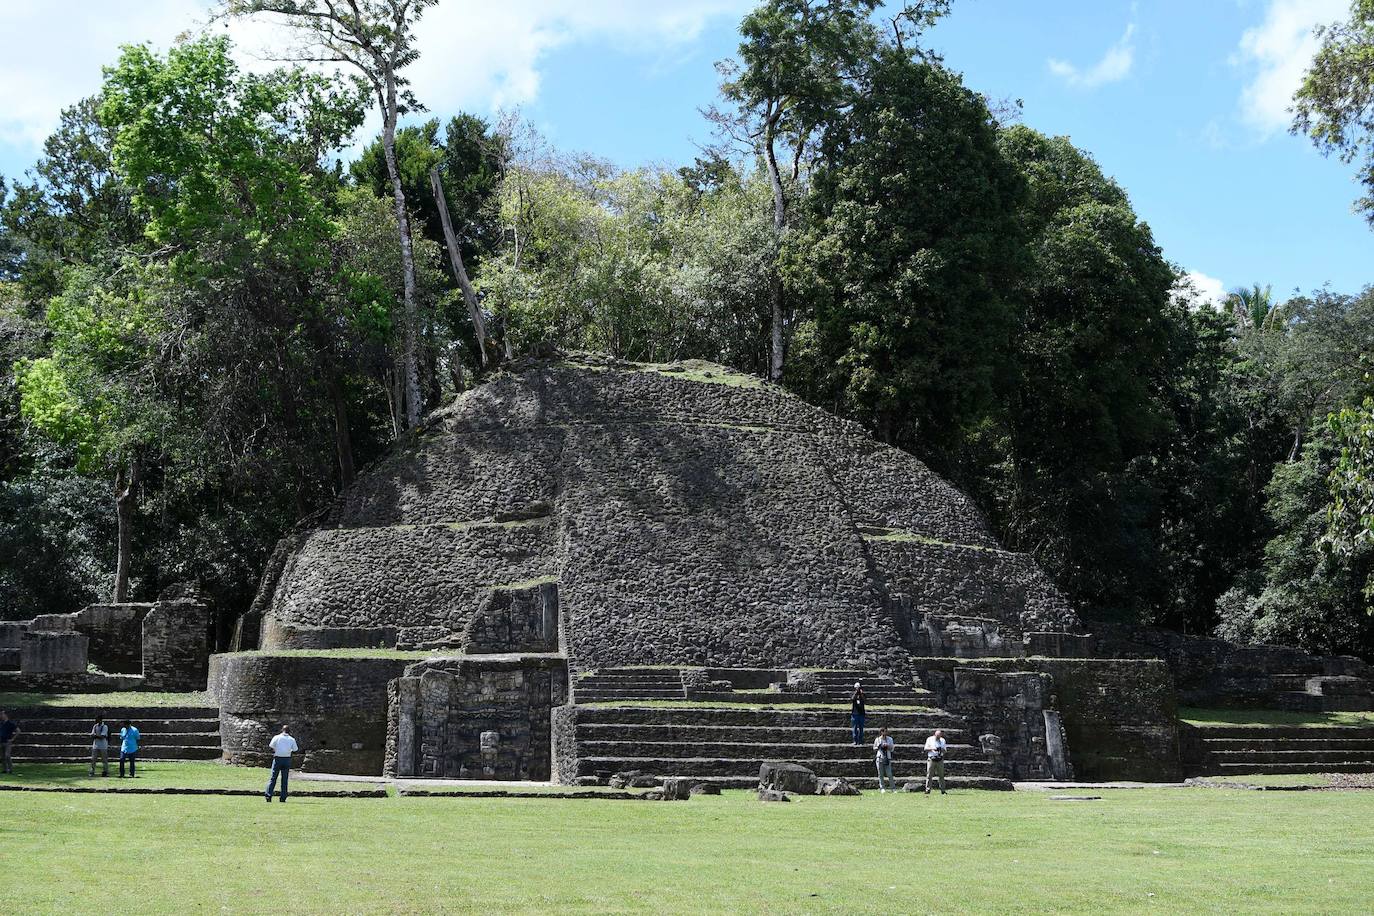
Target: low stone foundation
{"points": [[336, 708]]}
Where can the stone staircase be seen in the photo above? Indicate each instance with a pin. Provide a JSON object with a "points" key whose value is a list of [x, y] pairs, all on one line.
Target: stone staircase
{"points": [[727, 746], [744, 685], [61, 734], [1220, 750], [1322, 693], [616, 684]]}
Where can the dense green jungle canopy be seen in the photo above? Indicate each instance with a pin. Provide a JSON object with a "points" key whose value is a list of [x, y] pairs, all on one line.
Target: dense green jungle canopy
{"points": [[205, 326]]}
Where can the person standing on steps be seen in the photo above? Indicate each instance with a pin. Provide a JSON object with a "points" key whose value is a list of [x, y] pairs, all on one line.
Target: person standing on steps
{"points": [[8, 729], [935, 759], [100, 746], [857, 714], [283, 746], [128, 748], [882, 752]]}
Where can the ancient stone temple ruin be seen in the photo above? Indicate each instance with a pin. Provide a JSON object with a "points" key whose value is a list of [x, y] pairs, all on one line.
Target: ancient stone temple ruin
{"points": [[506, 594]]}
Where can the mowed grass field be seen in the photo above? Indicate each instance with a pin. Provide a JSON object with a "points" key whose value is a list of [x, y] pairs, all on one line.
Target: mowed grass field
{"points": [[1150, 850]]}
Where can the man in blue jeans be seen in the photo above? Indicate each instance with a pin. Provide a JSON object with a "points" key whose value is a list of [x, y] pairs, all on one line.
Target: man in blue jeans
{"points": [[283, 746], [128, 748], [857, 714]]}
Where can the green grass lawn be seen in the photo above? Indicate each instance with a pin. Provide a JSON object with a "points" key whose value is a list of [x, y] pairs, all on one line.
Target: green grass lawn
{"points": [[1144, 850], [1258, 717], [193, 774], [138, 698]]}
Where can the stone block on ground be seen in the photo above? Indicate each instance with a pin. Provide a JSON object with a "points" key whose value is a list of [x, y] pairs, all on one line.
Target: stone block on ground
{"points": [[705, 788], [836, 785], [678, 788], [773, 795], [588, 781], [786, 777]]}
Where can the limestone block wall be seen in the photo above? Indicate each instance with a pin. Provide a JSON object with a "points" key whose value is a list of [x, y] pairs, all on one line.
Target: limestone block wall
{"points": [[43, 652], [695, 545], [175, 642], [955, 580], [1118, 717], [116, 635], [336, 707], [480, 717]]}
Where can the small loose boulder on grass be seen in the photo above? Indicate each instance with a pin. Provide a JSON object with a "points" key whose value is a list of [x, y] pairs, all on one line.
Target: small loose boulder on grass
{"points": [[773, 795], [786, 777]]}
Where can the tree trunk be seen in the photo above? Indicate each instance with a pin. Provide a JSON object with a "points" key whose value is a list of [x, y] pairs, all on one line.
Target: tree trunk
{"points": [[343, 442], [775, 280], [409, 361], [126, 481], [455, 257]]}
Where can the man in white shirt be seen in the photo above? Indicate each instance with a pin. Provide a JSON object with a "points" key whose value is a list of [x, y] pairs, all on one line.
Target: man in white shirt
{"points": [[100, 746], [283, 746], [935, 759], [882, 752]]}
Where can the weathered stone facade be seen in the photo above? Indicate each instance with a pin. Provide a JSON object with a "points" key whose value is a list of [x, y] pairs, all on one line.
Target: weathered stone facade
{"points": [[46, 652], [482, 717]]}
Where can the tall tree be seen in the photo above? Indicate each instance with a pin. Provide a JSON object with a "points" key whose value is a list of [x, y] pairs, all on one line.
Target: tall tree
{"points": [[909, 262], [799, 65], [1335, 104], [377, 39]]}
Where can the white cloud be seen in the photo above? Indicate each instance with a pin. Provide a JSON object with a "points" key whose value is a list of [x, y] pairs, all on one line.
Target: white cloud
{"points": [[474, 54], [1277, 52], [1114, 66], [1199, 290]]}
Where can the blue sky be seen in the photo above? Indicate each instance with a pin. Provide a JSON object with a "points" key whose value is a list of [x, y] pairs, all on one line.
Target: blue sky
{"points": [[1182, 102]]}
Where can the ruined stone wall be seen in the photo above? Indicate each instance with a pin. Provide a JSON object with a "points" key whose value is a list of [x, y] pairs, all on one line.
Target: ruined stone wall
{"points": [[115, 632], [476, 717], [175, 638], [1118, 717], [1214, 672], [336, 708]]}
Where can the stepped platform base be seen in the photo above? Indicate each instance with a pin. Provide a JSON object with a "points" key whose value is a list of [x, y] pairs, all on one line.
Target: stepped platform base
{"points": [[870, 783], [61, 734], [1235, 750]]}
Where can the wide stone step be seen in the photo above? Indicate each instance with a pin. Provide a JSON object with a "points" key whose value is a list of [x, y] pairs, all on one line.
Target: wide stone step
{"points": [[745, 751], [1307, 756], [114, 714], [734, 734], [1242, 768], [715, 766], [145, 740], [58, 753], [72, 727], [764, 718], [1208, 732], [768, 699], [1215, 745]]}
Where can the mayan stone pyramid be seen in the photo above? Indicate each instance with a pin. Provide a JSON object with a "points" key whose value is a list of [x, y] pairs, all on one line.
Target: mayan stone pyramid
{"points": [[684, 515]]}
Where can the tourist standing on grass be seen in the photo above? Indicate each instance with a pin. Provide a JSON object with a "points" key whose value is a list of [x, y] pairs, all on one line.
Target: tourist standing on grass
{"points": [[935, 759], [128, 748], [283, 746], [100, 746], [857, 714], [882, 750], [8, 729]]}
